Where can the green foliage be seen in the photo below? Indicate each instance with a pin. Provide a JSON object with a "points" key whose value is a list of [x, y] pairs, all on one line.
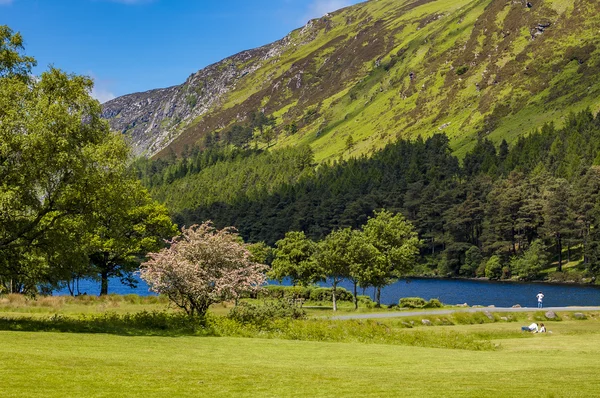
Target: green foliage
{"points": [[261, 313], [325, 294], [473, 259], [412, 302], [140, 323], [69, 208], [500, 200], [529, 265], [293, 258], [313, 293], [493, 268], [12, 62], [418, 302]]}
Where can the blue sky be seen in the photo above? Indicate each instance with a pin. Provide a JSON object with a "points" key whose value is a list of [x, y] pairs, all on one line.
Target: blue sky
{"points": [[136, 45]]}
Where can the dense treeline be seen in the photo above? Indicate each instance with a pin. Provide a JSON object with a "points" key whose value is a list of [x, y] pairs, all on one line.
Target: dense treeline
{"points": [[505, 212]]}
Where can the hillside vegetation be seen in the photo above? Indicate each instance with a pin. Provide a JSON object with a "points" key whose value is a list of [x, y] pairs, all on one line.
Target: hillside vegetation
{"points": [[389, 69], [441, 127]]}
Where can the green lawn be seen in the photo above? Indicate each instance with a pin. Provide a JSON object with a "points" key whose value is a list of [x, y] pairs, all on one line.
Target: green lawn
{"points": [[564, 363]]}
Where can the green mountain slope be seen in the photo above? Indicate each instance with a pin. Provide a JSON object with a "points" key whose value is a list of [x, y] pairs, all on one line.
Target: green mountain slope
{"points": [[386, 69]]}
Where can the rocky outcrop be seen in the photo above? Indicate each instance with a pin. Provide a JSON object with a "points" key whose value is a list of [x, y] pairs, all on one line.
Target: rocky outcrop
{"points": [[152, 119]]}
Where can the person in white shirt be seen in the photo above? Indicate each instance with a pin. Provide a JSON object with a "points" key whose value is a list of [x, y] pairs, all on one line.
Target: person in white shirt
{"points": [[540, 298], [531, 328], [542, 328]]}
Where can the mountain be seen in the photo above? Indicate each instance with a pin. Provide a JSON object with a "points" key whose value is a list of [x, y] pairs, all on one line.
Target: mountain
{"points": [[356, 79]]}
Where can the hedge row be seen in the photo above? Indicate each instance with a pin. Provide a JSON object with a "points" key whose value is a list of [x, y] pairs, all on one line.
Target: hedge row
{"points": [[311, 293]]}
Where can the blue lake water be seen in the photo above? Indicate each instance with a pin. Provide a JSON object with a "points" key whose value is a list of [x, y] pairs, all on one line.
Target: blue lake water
{"points": [[448, 291]]}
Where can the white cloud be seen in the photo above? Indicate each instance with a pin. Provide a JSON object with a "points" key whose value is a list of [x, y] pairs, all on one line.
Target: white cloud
{"points": [[101, 90], [102, 95], [5, 2], [318, 8]]}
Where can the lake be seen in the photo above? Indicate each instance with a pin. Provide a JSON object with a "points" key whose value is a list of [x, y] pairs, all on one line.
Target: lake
{"points": [[448, 291]]}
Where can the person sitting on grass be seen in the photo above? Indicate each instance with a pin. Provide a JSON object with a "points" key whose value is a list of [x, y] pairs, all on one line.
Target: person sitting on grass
{"points": [[531, 328], [542, 328]]}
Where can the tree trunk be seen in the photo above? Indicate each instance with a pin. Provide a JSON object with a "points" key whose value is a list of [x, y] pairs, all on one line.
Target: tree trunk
{"points": [[378, 296], [333, 296], [104, 283], [355, 296], [585, 256], [559, 247]]}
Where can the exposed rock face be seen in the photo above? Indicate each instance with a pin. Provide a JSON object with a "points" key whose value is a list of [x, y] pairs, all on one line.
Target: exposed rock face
{"points": [[152, 119]]}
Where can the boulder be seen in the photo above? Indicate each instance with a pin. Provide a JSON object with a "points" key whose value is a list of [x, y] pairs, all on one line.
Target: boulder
{"points": [[462, 305], [490, 316], [517, 306], [491, 306], [426, 322], [578, 315], [551, 315], [504, 318]]}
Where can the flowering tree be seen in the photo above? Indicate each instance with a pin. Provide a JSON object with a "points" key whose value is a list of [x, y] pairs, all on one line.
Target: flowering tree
{"points": [[203, 266]]}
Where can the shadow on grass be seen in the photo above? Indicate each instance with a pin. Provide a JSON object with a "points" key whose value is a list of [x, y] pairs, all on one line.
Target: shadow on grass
{"points": [[138, 324]]}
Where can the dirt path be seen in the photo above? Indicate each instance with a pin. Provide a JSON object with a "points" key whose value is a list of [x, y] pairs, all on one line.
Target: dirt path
{"points": [[396, 314]]}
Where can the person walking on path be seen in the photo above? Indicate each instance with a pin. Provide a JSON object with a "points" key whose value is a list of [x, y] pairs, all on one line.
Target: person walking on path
{"points": [[540, 298]]}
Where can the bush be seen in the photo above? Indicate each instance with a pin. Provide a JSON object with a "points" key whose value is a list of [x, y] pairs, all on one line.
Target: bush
{"points": [[259, 314], [418, 302], [412, 302], [326, 293], [366, 301], [433, 303]]}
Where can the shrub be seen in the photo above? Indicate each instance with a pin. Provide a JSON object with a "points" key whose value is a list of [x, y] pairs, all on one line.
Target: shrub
{"points": [[325, 294], [412, 302], [433, 303], [366, 301], [418, 302], [258, 314]]}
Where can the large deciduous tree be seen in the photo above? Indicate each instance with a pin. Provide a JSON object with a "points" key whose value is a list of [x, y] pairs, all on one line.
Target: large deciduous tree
{"points": [[203, 266], [127, 225], [63, 179]]}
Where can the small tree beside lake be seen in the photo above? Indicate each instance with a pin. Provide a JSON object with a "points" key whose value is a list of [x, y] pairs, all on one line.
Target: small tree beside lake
{"points": [[398, 244], [332, 257], [294, 259], [201, 267]]}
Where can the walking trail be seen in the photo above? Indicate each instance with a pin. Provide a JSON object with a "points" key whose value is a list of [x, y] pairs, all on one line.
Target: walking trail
{"points": [[396, 314]]}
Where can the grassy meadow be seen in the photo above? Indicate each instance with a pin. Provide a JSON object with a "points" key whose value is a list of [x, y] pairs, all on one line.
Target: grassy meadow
{"points": [[461, 355]]}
